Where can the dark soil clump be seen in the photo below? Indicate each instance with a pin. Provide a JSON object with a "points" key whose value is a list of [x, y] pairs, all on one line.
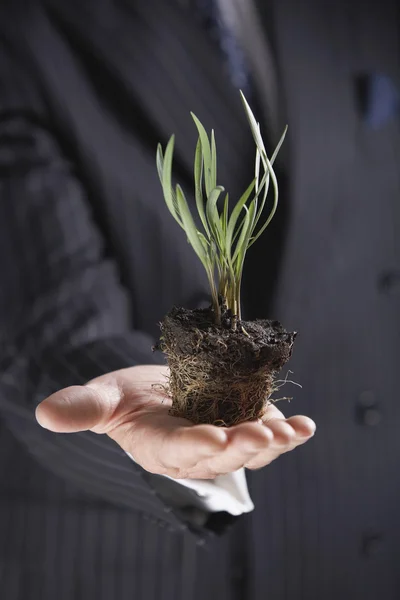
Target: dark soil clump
{"points": [[220, 375]]}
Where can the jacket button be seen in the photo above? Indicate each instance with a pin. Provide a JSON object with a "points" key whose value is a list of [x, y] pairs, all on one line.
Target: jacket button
{"points": [[389, 281], [367, 398], [367, 411], [371, 417], [372, 545]]}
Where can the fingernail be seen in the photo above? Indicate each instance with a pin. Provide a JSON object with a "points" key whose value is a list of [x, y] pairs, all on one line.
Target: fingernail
{"points": [[308, 435]]}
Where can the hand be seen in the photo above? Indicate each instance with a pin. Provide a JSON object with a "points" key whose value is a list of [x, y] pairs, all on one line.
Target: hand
{"points": [[126, 406]]}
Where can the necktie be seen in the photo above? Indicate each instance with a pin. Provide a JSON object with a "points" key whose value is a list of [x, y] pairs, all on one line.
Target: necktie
{"points": [[219, 27]]}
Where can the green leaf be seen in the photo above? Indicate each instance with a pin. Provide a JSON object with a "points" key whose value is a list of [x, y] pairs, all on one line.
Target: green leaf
{"points": [[198, 175], [213, 216], [224, 216], [264, 187], [204, 241], [239, 245], [160, 162], [245, 234], [265, 180], [275, 204], [190, 227], [254, 126], [164, 167], [213, 161], [206, 150], [278, 146], [257, 169], [235, 215]]}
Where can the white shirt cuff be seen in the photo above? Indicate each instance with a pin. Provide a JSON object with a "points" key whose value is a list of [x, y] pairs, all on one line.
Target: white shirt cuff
{"points": [[224, 493]]}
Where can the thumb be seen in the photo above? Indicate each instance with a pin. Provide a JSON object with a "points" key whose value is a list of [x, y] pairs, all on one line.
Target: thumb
{"points": [[76, 408]]}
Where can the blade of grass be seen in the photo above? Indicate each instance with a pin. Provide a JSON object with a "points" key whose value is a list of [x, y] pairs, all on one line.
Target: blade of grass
{"points": [[190, 227], [213, 216], [235, 214], [265, 180], [198, 176], [241, 245], [213, 161], [164, 167], [224, 216], [257, 169], [206, 150], [254, 126], [274, 207]]}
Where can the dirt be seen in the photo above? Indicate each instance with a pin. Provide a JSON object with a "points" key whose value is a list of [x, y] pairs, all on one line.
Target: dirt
{"points": [[219, 375]]}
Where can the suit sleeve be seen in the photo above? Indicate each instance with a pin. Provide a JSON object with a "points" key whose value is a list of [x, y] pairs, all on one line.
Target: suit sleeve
{"points": [[65, 317]]}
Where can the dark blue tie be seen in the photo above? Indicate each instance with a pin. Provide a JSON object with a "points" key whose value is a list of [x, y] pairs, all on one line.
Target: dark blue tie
{"points": [[210, 14]]}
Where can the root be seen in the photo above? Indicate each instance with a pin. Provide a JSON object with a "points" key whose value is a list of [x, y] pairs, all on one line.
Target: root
{"points": [[222, 398]]}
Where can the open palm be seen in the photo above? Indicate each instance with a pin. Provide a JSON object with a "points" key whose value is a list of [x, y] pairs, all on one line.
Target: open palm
{"points": [[129, 406]]}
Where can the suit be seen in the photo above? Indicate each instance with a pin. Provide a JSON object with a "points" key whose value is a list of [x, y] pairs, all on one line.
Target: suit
{"points": [[94, 261]]}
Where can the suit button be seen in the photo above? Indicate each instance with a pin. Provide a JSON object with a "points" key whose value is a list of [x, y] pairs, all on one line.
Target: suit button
{"points": [[372, 545], [371, 417], [367, 398], [389, 281], [367, 411]]}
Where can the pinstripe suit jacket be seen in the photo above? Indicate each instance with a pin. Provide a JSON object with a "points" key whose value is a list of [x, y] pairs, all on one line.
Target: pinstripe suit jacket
{"points": [[91, 262]]}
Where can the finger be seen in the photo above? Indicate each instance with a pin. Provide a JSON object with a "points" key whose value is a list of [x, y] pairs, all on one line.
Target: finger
{"points": [[74, 409], [244, 442], [165, 444], [303, 426], [185, 447], [287, 436], [283, 433], [283, 440], [271, 412]]}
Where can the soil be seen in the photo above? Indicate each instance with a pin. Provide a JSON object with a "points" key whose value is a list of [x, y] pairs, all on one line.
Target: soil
{"points": [[219, 375]]}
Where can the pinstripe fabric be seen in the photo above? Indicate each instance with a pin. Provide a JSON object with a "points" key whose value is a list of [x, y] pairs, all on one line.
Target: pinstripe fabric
{"points": [[96, 528], [338, 532], [83, 229]]}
